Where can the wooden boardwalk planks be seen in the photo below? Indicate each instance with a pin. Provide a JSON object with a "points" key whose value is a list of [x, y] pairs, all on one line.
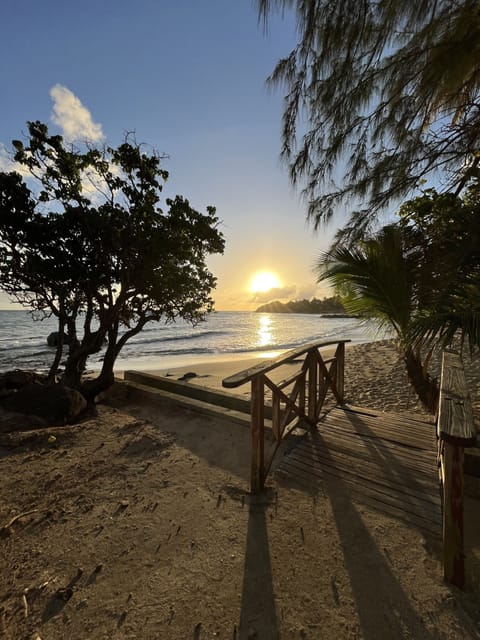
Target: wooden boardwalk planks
{"points": [[387, 461]]}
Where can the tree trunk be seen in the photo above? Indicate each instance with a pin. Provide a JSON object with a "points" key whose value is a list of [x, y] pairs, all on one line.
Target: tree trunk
{"points": [[92, 387], [74, 368], [78, 355], [58, 354], [425, 386]]}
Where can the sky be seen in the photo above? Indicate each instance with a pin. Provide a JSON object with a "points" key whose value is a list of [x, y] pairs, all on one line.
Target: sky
{"points": [[188, 77]]}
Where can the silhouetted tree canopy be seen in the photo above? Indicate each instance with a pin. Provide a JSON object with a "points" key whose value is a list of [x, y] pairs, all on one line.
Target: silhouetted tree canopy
{"points": [[83, 237], [330, 305], [379, 96]]}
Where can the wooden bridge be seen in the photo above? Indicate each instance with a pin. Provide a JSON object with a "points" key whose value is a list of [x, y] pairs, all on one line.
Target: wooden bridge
{"points": [[388, 462], [407, 466]]}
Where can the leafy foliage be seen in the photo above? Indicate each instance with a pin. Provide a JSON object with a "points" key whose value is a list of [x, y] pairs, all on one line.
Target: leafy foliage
{"points": [[87, 241], [379, 95], [442, 240], [373, 279], [420, 276]]}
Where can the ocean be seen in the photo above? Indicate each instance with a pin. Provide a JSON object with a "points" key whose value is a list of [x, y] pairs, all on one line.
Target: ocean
{"points": [[223, 336]]}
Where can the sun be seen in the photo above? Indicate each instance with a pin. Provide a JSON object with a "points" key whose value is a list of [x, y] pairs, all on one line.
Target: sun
{"points": [[263, 281]]}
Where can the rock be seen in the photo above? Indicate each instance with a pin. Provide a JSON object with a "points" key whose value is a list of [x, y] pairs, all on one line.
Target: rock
{"points": [[13, 421], [17, 378], [188, 376], [54, 339], [56, 404]]}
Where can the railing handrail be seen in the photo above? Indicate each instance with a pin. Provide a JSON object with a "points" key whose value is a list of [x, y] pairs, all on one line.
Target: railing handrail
{"points": [[455, 412], [304, 402], [265, 366], [455, 431]]}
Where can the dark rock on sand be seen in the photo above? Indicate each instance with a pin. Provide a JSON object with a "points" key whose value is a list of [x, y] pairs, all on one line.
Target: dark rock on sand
{"points": [[11, 421], [17, 379], [56, 404], [53, 339], [188, 376]]}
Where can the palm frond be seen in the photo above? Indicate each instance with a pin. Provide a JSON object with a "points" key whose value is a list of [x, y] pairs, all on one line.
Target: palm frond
{"points": [[372, 279]]}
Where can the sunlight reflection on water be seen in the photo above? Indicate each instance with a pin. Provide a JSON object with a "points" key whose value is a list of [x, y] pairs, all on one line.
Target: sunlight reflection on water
{"points": [[265, 336], [23, 343]]}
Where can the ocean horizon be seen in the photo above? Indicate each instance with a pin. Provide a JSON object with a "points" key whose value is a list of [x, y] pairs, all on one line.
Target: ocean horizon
{"points": [[225, 335]]}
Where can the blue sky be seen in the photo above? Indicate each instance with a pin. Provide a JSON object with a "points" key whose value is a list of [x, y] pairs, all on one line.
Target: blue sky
{"points": [[189, 78]]}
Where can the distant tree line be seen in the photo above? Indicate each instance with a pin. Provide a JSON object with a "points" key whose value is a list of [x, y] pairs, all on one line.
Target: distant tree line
{"points": [[327, 305]]}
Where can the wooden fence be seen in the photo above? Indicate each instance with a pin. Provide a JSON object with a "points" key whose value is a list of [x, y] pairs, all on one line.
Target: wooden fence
{"points": [[455, 431], [297, 398]]}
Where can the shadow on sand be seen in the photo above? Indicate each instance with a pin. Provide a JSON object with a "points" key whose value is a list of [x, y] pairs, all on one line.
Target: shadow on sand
{"points": [[258, 615], [383, 607]]}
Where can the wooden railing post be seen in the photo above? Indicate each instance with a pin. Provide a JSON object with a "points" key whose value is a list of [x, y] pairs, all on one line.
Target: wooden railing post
{"points": [[301, 393], [455, 431], [453, 527], [258, 427], [310, 383], [340, 371], [276, 417], [312, 387]]}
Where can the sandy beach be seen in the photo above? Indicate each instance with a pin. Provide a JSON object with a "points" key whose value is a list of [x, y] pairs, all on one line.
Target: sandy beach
{"points": [[375, 375], [138, 524]]}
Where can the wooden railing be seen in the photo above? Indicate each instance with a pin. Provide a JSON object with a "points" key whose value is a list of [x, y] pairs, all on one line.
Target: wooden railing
{"points": [[455, 431], [296, 399]]}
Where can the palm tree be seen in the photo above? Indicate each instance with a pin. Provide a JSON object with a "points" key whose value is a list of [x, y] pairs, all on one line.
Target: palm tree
{"points": [[420, 276], [375, 281]]}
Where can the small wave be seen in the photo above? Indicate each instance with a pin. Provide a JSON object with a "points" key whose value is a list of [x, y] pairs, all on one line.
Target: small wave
{"points": [[216, 350], [232, 333], [192, 336], [167, 352], [26, 355], [24, 347], [23, 339]]}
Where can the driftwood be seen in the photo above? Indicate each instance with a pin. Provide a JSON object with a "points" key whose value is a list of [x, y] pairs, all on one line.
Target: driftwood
{"points": [[25, 605], [5, 530]]}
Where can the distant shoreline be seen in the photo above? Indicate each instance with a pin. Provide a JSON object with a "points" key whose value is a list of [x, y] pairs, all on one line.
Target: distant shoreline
{"points": [[235, 335], [315, 313], [327, 308]]}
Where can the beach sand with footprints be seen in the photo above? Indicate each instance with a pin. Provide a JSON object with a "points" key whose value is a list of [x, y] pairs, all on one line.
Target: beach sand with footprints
{"points": [[138, 523]]}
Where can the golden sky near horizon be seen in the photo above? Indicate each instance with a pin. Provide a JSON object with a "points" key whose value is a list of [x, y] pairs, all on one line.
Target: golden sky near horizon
{"points": [[265, 234], [243, 299], [208, 111], [291, 266], [246, 290]]}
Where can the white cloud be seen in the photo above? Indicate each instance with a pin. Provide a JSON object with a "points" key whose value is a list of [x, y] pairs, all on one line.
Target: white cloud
{"points": [[73, 117], [292, 292], [307, 292], [7, 163], [278, 293]]}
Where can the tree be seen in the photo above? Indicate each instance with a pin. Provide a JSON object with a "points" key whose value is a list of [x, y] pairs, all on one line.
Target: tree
{"points": [[420, 277], [379, 96], [326, 306], [441, 235], [84, 238], [375, 282]]}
